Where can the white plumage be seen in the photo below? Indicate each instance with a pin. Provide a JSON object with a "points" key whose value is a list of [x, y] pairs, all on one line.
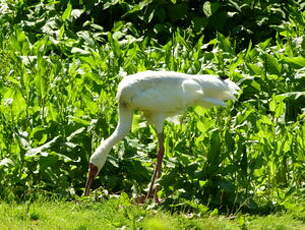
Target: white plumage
{"points": [[159, 94]]}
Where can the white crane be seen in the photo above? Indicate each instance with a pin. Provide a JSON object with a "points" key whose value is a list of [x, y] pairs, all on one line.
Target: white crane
{"points": [[159, 94]]}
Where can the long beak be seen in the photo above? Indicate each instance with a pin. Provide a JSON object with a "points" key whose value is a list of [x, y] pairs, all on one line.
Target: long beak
{"points": [[93, 170]]}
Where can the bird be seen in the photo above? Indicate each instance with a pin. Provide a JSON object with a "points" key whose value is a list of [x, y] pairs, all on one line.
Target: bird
{"points": [[159, 95]]}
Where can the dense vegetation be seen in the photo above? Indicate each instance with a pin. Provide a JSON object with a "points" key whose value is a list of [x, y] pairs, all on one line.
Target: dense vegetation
{"points": [[60, 63]]}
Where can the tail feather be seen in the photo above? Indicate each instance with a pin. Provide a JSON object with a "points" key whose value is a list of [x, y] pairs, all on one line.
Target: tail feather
{"points": [[232, 87]]}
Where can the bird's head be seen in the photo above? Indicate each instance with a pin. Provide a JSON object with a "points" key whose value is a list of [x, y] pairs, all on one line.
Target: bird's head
{"points": [[96, 163], [93, 171]]}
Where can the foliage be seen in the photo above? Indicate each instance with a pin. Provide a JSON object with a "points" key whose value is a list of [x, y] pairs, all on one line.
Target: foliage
{"points": [[59, 69], [242, 20]]}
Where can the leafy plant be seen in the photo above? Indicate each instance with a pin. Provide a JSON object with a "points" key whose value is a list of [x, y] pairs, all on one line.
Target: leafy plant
{"points": [[60, 66]]}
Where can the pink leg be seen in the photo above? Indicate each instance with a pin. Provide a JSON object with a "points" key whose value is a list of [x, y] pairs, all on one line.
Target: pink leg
{"points": [[157, 172]]}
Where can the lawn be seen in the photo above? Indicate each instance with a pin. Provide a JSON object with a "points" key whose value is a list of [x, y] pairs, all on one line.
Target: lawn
{"points": [[120, 213]]}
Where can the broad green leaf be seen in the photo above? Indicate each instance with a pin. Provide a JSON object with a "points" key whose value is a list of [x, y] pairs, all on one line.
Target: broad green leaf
{"points": [[300, 61], [272, 65], [214, 155], [294, 95], [35, 131], [229, 140], [61, 32], [277, 105], [110, 3], [255, 68], [67, 13], [266, 120], [201, 126], [209, 8], [139, 6], [202, 183], [249, 49], [76, 50], [200, 110], [235, 5], [5, 162], [265, 44], [76, 13], [224, 43], [256, 85]]}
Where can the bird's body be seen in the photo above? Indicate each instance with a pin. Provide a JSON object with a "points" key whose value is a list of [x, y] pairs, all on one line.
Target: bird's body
{"points": [[171, 92], [160, 94]]}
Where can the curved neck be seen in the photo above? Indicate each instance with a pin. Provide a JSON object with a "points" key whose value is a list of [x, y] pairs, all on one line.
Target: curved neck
{"points": [[100, 155]]}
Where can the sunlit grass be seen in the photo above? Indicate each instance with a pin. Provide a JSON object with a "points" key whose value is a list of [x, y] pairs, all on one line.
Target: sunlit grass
{"points": [[120, 213]]}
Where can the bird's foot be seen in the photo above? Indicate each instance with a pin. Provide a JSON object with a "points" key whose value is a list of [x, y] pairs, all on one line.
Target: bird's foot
{"points": [[142, 199]]}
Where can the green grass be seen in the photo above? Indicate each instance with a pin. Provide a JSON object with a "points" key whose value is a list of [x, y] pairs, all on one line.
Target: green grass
{"points": [[120, 213]]}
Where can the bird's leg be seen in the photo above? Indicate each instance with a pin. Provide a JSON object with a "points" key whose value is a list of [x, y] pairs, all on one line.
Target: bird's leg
{"points": [[160, 154], [157, 172], [159, 163]]}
